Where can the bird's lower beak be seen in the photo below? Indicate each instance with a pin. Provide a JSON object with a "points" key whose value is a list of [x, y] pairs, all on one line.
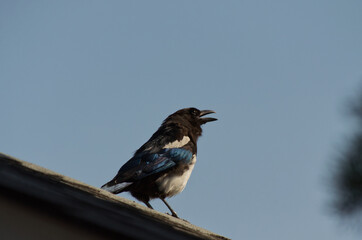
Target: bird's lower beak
{"points": [[208, 119]]}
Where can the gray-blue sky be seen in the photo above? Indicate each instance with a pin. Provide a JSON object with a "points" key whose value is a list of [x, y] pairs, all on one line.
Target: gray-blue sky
{"points": [[85, 83]]}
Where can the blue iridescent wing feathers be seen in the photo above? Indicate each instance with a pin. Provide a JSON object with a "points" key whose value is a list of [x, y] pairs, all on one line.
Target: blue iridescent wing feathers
{"points": [[145, 163]]}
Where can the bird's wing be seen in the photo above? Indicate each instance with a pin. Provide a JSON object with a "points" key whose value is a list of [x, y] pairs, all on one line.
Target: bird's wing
{"points": [[145, 164], [160, 153]]}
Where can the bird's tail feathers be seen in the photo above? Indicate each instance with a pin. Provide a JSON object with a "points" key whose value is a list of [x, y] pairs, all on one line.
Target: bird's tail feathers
{"points": [[115, 187]]}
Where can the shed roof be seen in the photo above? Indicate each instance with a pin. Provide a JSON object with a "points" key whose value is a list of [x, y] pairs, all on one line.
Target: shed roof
{"points": [[88, 206]]}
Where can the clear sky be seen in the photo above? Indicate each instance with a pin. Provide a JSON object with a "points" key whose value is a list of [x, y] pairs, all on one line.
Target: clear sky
{"points": [[85, 83]]}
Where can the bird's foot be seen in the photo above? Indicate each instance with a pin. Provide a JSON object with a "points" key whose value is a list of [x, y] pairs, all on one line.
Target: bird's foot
{"points": [[173, 214], [177, 217]]}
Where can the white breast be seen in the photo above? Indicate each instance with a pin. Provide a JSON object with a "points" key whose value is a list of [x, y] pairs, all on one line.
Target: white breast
{"points": [[172, 184]]}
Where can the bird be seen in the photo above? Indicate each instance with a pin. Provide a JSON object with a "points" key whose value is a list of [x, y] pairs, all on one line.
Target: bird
{"points": [[161, 167]]}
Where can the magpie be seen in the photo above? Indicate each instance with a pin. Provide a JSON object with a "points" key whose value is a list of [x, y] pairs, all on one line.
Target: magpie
{"points": [[161, 167]]}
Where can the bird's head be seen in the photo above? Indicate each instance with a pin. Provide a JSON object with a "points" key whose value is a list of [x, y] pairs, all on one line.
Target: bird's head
{"points": [[193, 116], [190, 118]]}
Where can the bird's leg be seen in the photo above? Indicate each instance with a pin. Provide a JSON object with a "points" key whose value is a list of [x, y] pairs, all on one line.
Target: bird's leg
{"points": [[148, 204], [172, 211]]}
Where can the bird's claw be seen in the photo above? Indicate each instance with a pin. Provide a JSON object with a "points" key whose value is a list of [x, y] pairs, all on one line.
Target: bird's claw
{"points": [[173, 215]]}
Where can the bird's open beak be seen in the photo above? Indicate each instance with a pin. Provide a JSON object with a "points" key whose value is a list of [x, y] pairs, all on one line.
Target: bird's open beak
{"points": [[208, 119]]}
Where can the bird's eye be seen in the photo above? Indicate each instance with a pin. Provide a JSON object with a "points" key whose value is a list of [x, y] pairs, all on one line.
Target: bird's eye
{"points": [[194, 112]]}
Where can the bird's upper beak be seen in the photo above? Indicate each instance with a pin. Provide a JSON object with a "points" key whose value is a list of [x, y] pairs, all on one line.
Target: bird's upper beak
{"points": [[208, 119]]}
